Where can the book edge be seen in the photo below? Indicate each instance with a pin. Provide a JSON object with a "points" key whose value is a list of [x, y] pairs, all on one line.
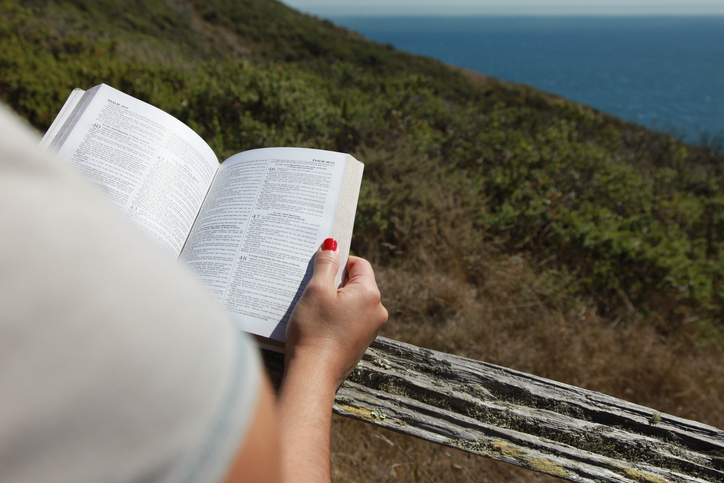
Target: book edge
{"points": [[343, 223], [65, 112]]}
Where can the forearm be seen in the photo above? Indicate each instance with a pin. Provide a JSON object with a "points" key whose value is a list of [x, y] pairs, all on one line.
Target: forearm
{"points": [[327, 335], [305, 414]]}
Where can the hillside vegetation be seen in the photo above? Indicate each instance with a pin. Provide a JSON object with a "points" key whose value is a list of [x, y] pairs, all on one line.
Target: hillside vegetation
{"points": [[504, 223]]}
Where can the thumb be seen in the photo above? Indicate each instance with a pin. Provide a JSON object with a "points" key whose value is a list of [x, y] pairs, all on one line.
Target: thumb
{"points": [[326, 263]]}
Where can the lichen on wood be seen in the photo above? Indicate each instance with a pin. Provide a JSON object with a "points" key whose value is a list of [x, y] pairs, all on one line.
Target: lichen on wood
{"points": [[519, 418]]}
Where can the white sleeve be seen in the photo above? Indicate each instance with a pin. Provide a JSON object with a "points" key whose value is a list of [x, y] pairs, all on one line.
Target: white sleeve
{"points": [[115, 365]]}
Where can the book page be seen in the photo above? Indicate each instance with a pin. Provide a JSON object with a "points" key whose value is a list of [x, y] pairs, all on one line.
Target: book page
{"points": [[154, 167], [263, 220]]}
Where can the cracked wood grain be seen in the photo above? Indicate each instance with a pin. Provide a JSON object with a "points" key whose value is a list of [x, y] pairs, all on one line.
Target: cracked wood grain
{"points": [[519, 418]]}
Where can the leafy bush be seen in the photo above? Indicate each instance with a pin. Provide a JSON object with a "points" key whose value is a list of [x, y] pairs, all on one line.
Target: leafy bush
{"points": [[633, 218]]}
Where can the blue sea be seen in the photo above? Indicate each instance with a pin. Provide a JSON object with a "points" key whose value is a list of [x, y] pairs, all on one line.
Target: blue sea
{"points": [[663, 72]]}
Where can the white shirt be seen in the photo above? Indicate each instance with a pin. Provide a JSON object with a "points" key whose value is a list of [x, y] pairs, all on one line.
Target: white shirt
{"points": [[115, 365]]}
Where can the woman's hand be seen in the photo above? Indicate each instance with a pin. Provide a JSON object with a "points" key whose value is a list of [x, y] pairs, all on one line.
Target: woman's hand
{"points": [[334, 327]]}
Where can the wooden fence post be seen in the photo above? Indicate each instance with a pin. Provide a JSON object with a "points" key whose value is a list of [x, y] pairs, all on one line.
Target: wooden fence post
{"points": [[529, 421]]}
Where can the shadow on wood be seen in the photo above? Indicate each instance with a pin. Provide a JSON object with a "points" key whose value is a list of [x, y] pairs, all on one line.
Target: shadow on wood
{"points": [[529, 421]]}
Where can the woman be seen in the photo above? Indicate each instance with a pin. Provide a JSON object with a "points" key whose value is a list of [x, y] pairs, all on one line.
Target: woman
{"points": [[115, 365]]}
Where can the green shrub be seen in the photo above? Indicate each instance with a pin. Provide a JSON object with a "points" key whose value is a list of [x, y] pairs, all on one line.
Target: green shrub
{"points": [[630, 217]]}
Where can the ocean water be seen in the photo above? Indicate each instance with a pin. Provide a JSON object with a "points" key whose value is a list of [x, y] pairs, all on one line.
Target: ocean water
{"points": [[666, 73]]}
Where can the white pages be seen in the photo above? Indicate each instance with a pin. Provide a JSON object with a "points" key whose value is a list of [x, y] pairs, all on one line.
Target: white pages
{"points": [[248, 227]]}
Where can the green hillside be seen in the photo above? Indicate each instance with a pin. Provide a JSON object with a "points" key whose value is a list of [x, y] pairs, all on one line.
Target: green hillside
{"points": [[504, 223]]}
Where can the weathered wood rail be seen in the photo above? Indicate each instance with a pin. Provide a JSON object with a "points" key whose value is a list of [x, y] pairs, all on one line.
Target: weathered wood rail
{"points": [[529, 421]]}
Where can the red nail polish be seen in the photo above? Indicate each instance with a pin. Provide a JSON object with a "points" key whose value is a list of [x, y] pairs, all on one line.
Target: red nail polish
{"points": [[330, 244]]}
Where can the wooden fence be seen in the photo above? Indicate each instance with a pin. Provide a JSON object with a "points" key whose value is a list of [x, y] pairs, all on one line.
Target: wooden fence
{"points": [[529, 421]]}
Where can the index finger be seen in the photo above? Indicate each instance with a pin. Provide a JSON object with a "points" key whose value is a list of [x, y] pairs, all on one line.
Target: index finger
{"points": [[359, 271]]}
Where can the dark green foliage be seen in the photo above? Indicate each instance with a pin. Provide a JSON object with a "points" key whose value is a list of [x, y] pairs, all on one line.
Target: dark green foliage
{"points": [[454, 162]]}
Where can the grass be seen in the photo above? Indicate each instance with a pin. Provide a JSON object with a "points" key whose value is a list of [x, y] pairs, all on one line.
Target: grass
{"points": [[504, 224], [509, 323]]}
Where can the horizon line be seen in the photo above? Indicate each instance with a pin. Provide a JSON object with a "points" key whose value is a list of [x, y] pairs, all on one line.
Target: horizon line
{"points": [[530, 14], [508, 14], [354, 11]]}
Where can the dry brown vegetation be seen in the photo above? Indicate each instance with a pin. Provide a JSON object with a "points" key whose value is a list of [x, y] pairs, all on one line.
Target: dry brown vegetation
{"points": [[508, 324], [457, 294]]}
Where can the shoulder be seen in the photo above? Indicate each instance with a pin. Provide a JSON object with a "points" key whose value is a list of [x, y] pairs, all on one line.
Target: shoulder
{"points": [[113, 359]]}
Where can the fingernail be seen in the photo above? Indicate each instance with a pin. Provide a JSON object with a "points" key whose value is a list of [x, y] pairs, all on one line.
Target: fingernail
{"points": [[330, 244]]}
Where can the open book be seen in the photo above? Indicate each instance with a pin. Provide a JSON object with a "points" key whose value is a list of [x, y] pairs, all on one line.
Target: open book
{"points": [[249, 227]]}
